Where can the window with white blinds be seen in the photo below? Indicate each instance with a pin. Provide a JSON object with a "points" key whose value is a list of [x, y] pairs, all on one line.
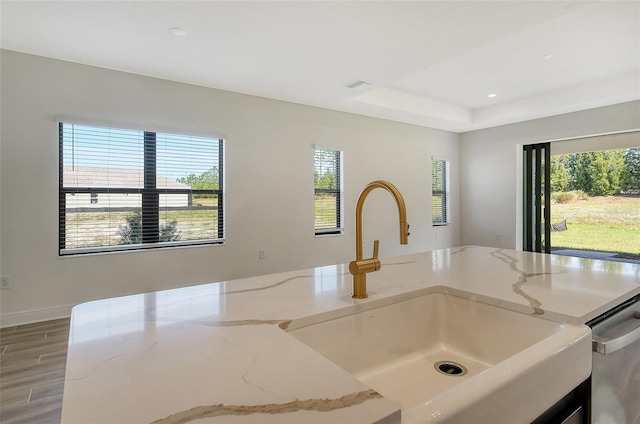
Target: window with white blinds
{"points": [[440, 192], [124, 189], [328, 191]]}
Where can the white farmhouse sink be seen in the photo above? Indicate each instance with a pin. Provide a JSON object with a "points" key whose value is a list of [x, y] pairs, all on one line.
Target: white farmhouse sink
{"points": [[395, 349]]}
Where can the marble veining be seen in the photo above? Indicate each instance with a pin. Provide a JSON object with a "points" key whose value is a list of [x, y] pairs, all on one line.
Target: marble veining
{"points": [[254, 360], [458, 250], [319, 405], [399, 263], [106, 361], [283, 323], [270, 286], [523, 277]]}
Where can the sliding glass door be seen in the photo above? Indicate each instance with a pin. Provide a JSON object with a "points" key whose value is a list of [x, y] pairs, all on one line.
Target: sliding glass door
{"points": [[537, 198]]}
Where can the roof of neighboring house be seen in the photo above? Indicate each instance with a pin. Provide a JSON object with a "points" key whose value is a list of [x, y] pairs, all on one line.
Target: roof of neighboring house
{"points": [[113, 178]]}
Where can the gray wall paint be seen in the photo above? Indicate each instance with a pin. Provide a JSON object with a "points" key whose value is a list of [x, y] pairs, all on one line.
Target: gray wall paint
{"points": [[269, 175]]}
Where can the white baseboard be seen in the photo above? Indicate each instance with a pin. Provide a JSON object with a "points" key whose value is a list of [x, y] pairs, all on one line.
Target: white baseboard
{"points": [[28, 317]]}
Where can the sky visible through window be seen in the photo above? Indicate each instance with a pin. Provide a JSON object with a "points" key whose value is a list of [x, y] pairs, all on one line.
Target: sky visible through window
{"points": [[177, 155]]}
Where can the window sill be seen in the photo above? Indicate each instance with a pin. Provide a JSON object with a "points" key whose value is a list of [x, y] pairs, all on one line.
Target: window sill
{"points": [[332, 234], [116, 251]]}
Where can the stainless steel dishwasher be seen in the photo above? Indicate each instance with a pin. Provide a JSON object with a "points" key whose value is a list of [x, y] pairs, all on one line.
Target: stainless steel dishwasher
{"points": [[615, 384]]}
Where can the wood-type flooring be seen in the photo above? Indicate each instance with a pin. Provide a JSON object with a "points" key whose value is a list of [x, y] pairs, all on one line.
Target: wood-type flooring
{"points": [[32, 367]]}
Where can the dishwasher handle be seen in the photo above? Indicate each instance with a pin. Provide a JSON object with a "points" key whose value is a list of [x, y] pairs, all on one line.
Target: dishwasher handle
{"points": [[630, 333]]}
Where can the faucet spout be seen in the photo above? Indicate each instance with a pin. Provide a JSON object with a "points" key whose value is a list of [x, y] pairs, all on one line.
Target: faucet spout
{"points": [[360, 267]]}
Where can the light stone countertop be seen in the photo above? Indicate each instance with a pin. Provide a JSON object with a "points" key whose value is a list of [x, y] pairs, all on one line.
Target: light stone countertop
{"points": [[217, 352]]}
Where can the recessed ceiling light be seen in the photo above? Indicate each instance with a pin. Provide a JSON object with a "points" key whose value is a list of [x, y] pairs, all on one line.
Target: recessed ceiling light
{"points": [[546, 56], [179, 32], [492, 95]]}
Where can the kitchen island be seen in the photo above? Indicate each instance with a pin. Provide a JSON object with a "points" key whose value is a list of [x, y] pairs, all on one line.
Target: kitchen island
{"points": [[219, 352]]}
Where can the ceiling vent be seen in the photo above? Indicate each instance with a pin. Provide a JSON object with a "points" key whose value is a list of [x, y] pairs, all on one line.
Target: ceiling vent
{"points": [[359, 85]]}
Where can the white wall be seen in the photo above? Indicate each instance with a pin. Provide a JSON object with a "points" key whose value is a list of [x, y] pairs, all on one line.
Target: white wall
{"points": [[269, 183], [490, 180]]}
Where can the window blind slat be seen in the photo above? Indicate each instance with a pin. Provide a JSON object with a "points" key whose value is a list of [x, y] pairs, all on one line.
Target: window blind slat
{"points": [[105, 203]]}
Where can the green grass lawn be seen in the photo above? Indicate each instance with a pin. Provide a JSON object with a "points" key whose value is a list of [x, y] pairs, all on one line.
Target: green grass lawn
{"points": [[325, 211], [92, 229], [603, 223]]}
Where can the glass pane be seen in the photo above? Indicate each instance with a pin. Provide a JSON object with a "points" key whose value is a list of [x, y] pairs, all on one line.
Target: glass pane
{"points": [[438, 175], [102, 157], [100, 219], [326, 210], [188, 217], [187, 162], [326, 169], [437, 209]]}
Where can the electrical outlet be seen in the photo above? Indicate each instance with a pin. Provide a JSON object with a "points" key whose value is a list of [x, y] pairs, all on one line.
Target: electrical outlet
{"points": [[263, 253], [5, 283], [497, 236]]}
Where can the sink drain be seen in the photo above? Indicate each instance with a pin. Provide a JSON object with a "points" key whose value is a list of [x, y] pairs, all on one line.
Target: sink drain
{"points": [[450, 368]]}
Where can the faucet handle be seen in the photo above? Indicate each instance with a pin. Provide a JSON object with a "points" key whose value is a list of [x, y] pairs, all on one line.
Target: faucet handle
{"points": [[376, 245]]}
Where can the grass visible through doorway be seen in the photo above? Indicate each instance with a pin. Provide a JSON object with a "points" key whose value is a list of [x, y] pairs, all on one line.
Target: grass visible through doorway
{"points": [[601, 223]]}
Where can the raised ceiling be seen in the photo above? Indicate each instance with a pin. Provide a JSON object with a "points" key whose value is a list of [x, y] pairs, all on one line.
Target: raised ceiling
{"points": [[430, 63]]}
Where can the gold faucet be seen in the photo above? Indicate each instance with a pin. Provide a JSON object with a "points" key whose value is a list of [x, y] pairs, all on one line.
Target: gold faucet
{"points": [[360, 267]]}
